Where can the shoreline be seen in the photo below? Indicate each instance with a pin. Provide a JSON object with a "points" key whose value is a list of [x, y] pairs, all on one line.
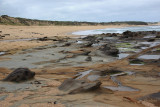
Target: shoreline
{"points": [[27, 32]]}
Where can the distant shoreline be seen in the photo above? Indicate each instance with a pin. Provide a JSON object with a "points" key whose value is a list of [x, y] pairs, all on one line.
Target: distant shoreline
{"points": [[7, 20]]}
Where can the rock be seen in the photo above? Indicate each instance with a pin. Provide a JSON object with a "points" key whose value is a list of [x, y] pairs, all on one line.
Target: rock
{"points": [[79, 52], [136, 61], [6, 34], [66, 44], [75, 86], [89, 44], [84, 53], [109, 50], [43, 39], [0, 31], [114, 35], [151, 40], [107, 72], [90, 38], [1, 37], [152, 98], [20, 74], [129, 34], [89, 58]]}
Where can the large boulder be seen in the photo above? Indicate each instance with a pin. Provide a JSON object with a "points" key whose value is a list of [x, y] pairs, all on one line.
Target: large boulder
{"points": [[19, 75], [75, 86]]}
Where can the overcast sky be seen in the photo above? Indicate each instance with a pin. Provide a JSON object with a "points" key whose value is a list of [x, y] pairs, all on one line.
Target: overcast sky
{"points": [[83, 10]]}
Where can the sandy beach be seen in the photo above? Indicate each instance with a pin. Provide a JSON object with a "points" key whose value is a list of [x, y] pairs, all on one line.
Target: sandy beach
{"points": [[79, 53], [100, 70]]}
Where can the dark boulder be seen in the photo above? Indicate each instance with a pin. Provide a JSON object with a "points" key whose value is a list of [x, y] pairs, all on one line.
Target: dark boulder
{"points": [[20, 74]]}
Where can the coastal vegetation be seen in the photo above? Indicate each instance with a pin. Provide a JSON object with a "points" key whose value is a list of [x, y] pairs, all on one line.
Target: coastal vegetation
{"points": [[7, 20]]}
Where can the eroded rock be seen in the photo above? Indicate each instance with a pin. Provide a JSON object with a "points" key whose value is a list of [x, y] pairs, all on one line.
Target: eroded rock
{"points": [[75, 86]]}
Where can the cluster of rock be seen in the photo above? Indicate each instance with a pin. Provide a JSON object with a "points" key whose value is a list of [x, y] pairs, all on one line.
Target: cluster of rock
{"points": [[129, 34]]}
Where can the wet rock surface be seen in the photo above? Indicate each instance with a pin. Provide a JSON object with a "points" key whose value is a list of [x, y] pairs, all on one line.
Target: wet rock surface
{"points": [[102, 71]]}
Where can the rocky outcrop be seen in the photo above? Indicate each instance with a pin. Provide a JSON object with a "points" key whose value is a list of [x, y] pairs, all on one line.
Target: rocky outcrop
{"points": [[19, 75]]}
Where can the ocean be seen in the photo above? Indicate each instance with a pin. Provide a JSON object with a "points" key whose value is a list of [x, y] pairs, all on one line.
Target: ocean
{"points": [[117, 30]]}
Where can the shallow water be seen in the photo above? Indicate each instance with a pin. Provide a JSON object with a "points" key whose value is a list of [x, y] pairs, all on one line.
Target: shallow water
{"points": [[93, 77], [149, 57], [15, 40], [117, 30], [151, 44], [150, 36], [121, 88], [122, 55], [82, 74], [10, 86], [2, 53], [80, 42]]}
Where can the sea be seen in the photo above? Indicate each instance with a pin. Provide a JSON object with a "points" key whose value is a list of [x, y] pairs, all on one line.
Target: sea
{"points": [[117, 30]]}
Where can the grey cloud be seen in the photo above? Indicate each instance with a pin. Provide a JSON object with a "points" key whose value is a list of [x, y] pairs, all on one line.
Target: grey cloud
{"points": [[83, 10]]}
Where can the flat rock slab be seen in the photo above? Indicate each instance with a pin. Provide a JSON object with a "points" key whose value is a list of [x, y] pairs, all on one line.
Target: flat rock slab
{"points": [[75, 86]]}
